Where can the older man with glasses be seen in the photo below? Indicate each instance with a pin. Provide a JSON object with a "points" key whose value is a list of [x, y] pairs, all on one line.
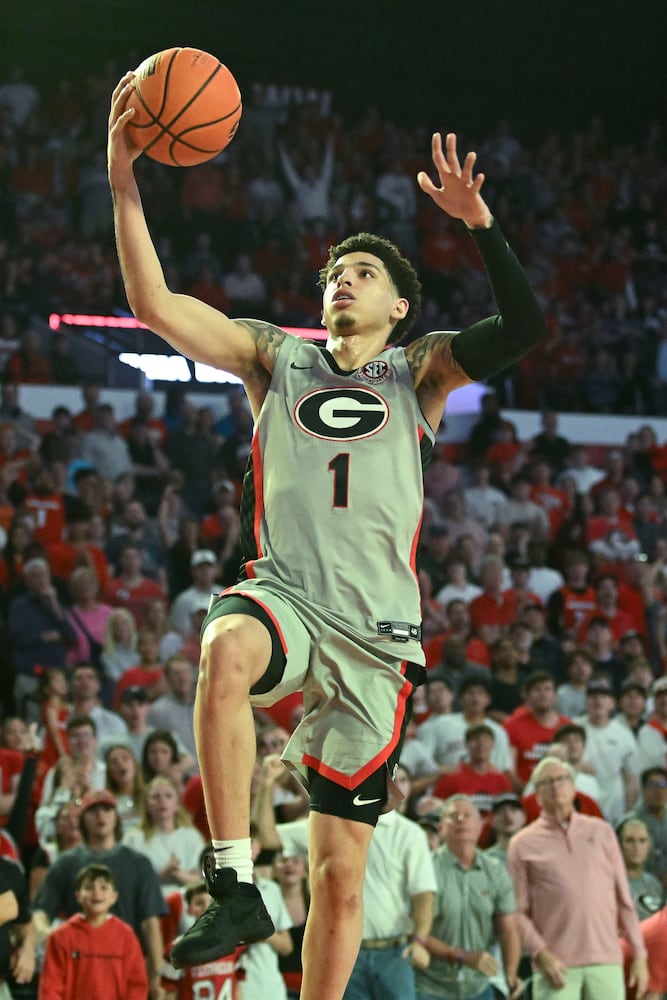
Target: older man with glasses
{"points": [[573, 897]]}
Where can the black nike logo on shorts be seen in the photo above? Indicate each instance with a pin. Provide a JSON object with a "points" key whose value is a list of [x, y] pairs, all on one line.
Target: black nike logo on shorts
{"points": [[300, 367]]}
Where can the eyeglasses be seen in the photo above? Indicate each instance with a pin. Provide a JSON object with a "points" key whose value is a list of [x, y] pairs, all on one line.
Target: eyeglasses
{"points": [[557, 780], [657, 783]]}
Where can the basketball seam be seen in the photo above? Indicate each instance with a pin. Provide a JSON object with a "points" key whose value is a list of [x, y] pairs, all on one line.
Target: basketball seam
{"points": [[165, 128]]}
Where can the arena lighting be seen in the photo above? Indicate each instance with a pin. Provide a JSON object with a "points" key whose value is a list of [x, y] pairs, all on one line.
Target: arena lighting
{"points": [[163, 367]]}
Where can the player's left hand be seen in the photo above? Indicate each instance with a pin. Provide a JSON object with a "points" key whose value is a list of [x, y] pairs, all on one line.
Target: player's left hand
{"points": [[458, 194]]}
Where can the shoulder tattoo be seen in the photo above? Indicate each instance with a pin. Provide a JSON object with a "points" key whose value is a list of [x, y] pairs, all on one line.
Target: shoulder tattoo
{"points": [[267, 337], [431, 351]]}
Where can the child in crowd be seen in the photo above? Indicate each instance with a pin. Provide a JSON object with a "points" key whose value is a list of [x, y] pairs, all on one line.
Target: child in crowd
{"points": [[93, 954]]}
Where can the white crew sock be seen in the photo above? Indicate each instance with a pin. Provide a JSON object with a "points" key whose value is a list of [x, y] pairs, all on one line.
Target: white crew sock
{"points": [[236, 854]]}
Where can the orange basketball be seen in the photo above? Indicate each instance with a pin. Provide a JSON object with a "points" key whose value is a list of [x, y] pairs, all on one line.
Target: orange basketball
{"points": [[187, 107]]}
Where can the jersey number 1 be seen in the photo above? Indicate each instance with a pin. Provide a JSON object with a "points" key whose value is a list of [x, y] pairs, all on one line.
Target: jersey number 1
{"points": [[340, 466]]}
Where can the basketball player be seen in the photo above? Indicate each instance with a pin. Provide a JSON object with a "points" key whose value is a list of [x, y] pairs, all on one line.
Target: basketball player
{"points": [[328, 601]]}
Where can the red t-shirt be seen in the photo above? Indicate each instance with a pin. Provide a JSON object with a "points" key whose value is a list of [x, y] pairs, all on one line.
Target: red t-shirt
{"points": [[119, 595], [49, 515], [476, 651], [482, 788], [531, 740], [489, 610]]}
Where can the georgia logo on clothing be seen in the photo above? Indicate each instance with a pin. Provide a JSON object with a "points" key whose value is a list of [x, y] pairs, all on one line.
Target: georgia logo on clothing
{"points": [[341, 414]]}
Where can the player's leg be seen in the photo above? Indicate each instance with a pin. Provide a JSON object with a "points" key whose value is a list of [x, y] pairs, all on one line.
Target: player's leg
{"points": [[236, 651], [337, 862]]}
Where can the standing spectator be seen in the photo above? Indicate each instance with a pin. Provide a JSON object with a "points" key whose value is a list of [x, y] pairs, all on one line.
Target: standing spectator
{"points": [[549, 445], [85, 687], [449, 742], [611, 750], [532, 729], [632, 706], [579, 469], [89, 618], [571, 696], [475, 777], [648, 893], [192, 453], [507, 818], [652, 738], [125, 781], [140, 902], [39, 630], [73, 776], [93, 954], [573, 896], [652, 810], [204, 570], [105, 448], [133, 709], [398, 910], [572, 603], [491, 607], [474, 907], [174, 709], [311, 188], [148, 672], [166, 836], [130, 588], [12, 413], [136, 528]]}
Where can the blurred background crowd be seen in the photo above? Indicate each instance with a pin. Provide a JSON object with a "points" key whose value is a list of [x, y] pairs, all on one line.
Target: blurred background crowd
{"points": [[544, 561]]}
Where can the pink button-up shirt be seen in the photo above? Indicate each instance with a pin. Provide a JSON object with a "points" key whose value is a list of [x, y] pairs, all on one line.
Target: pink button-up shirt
{"points": [[572, 891]]}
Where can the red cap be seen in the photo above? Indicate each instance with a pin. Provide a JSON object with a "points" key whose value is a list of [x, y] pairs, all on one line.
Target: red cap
{"points": [[98, 796]]}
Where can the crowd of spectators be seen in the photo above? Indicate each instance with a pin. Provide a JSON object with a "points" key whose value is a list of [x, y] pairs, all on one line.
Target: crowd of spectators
{"points": [[249, 230], [543, 573]]}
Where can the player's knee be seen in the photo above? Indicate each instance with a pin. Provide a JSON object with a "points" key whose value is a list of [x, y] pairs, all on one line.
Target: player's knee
{"points": [[225, 663], [339, 883]]}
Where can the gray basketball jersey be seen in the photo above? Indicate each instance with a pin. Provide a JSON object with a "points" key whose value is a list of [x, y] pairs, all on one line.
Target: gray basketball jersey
{"points": [[333, 498]]}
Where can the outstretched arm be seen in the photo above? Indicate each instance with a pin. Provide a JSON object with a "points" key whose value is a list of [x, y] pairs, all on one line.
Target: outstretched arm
{"points": [[442, 361], [245, 348]]}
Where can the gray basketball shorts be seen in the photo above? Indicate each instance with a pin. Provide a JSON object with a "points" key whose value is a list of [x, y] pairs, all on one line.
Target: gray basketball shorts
{"points": [[356, 692]]}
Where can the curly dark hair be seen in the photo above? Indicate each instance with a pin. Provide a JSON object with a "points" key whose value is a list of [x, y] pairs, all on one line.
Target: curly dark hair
{"points": [[401, 272]]}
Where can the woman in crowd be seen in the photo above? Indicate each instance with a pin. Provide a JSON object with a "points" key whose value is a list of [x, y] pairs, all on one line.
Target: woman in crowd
{"points": [[120, 644], [166, 835], [162, 756], [125, 780]]}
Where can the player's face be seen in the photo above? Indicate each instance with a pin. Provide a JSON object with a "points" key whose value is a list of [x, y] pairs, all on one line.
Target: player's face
{"points": [[359, 295]]}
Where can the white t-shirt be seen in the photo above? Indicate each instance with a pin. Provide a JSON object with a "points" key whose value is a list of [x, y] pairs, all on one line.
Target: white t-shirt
{"points": [[263, 976], [185, 842], [444, 736], [611, 749], [399, 866]]}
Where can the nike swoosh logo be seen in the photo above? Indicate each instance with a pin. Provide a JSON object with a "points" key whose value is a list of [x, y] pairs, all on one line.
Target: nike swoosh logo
{"points": [[300, 367], [358, 801]]}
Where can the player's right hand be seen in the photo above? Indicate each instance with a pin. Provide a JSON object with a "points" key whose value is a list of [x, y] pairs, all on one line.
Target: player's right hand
{"points": [[121, 150]]}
